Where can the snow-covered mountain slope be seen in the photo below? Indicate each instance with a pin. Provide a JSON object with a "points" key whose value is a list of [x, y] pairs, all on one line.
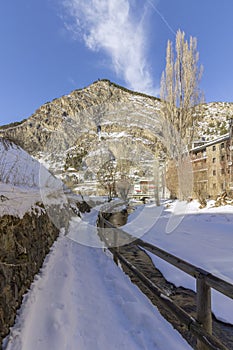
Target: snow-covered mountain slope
{"points": [[62, 120], [99, 116], [215, 120], [102, 104]]}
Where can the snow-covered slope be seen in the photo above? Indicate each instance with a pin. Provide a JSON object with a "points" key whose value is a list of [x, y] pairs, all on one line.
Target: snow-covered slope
{"points": [[17, 201], [17, 167], [19, 180], [24, 182], [101, 116], [215, 120], [58, 129]]}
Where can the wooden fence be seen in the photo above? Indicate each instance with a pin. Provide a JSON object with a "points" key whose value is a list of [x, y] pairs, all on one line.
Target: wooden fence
{"points": [[201, 327]]}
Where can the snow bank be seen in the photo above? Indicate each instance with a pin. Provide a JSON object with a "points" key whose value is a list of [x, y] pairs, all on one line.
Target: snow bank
{"points": [[17, 201], [17, 167], [203, 238], [24, 181]]}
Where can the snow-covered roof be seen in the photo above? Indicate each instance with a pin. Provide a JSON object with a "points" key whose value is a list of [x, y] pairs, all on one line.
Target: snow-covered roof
{"points": [[210, 143]]}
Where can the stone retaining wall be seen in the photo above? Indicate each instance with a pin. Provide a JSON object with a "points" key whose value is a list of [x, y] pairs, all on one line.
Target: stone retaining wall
{"points": [[24, 243]]}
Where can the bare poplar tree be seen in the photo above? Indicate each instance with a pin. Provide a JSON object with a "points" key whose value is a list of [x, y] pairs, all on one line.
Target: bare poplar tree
{"points": [[181, 100], [180, 93]]}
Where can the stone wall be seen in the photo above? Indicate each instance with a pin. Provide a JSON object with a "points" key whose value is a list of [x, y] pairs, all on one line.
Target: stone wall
{"points": [[24, 244]]}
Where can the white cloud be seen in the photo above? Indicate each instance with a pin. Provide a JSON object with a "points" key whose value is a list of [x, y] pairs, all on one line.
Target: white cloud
{"points": [[113, 27]]}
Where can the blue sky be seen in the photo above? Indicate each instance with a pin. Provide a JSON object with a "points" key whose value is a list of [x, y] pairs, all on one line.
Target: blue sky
{"points": [[51, 47]]}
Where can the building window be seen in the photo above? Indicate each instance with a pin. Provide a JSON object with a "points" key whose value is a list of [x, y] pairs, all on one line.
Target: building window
{"points": [[222, 171], [214, 160], [222, 145], [214, 148], [214, 186], [214, 172], [222, 158]]}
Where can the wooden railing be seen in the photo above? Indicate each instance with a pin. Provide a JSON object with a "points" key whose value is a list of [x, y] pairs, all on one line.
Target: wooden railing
{"points": [[201, 327]]}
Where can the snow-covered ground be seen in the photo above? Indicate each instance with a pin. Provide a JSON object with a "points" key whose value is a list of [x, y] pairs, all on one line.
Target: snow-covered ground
{"points": [[82, 300], [24, 182], [203, 237], [17, 167], [17, 200]]}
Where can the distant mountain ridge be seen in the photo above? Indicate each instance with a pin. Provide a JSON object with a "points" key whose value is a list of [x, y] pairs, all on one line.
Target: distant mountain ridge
{"points": [[34, 132], [98, 93], [73, 121], [105, 112]]}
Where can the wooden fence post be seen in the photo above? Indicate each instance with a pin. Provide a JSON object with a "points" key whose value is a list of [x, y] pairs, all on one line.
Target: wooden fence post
{"points": [[204, 315], [115, 246]]}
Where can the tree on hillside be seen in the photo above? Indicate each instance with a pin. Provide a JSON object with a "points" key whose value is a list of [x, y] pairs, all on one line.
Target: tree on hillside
{"points": [[179, 91], [106, 177], [181, 100], [123, 187]]}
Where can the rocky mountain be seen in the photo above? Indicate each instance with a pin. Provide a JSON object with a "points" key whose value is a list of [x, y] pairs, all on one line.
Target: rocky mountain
{"points": [[215, 119], [79, 131], [102, 103], [102, 118]]}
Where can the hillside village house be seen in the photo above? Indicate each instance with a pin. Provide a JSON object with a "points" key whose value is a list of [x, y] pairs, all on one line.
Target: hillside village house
{"points": [[212, 166]]}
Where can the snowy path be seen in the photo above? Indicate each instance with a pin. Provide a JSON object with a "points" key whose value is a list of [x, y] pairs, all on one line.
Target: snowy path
{"points": [[82, 300]]}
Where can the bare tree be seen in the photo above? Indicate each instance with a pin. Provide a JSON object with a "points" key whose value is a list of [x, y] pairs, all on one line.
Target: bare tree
{"points": [[181, 100], [123, 188], [156, 180], [106, 177], [180, 93]]}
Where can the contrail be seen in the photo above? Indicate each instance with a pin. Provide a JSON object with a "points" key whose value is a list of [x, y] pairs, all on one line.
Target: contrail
{"points": [[161, 16]]}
